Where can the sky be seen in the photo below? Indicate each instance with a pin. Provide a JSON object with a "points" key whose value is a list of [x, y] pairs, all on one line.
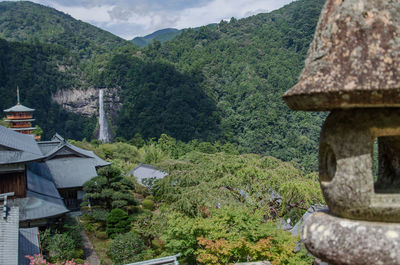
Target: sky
{"points": [[131, 18]]}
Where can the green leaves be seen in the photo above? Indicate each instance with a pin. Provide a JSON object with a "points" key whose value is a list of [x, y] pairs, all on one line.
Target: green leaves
{"points": [[125, 248], [200, 182], [117, 222], [109, 190]]}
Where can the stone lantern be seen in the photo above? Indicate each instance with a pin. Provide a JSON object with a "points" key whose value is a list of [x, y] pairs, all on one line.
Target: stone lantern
{"points": [[353, 70]]}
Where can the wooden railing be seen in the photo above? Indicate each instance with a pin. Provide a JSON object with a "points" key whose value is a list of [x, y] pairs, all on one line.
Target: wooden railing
{"points": [[21, 125], [19, 117]]}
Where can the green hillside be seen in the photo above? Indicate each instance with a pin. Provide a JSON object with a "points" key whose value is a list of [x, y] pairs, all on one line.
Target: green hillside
{"points": [[161, 35], [220, 82], [243, 67], [39, 70], [29, 22]]}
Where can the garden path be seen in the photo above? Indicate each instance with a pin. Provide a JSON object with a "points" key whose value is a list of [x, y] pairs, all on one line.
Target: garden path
{"points": [[91, 257]]}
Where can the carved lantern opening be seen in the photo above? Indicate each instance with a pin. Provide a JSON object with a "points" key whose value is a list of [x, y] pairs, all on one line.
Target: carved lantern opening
{"points": [[388, 175]]}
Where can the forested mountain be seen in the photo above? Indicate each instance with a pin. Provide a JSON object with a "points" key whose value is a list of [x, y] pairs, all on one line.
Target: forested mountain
{"points": [[243, 67], [39, 70], [161, 35], [29, 22], [220, 82]]}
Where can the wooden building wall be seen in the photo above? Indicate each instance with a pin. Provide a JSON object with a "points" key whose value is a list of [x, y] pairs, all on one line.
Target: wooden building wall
{"points": [[70, 196], [13, 182]]}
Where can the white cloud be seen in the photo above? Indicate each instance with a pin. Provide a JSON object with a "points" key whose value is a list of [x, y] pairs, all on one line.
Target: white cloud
{"points": [[93, 14], [130, 18], [218, 10]]}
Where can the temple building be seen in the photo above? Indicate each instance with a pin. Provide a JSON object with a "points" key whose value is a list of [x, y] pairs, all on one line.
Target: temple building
{"points": [[46, 177], [20, 118]]}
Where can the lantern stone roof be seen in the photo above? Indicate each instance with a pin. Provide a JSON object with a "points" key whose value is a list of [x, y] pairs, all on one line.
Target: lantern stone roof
{"points": [[354, 59], [19, 108]]}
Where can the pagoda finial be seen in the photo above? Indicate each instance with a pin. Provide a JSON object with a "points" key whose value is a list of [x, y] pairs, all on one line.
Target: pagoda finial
{"points": [[18, 95]]}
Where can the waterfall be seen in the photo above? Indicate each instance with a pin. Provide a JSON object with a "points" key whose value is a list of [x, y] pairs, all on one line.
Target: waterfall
{"points": [[104, 135]]}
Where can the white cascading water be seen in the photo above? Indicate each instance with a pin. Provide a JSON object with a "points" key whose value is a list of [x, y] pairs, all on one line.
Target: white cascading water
{"points": [[104, 135]]}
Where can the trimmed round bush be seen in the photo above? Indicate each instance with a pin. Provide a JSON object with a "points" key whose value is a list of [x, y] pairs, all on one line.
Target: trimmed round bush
{"points": [[117, 222], [125, 248], [148, 204]]}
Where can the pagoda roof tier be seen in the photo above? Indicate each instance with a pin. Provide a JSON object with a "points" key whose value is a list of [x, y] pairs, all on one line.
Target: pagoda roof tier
{"points": [[23, 129], [20, 120], [19, 108]]}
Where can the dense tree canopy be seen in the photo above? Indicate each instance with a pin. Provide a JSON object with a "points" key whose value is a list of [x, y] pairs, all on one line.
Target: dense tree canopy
{"points": [[35, 69], [219, 82], [29, 22]]}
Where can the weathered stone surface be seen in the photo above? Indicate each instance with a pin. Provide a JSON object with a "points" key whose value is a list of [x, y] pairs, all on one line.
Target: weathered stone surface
{"points": [[312, 209], [354, 59], [86, 101], [345, 164], [340, 241]]}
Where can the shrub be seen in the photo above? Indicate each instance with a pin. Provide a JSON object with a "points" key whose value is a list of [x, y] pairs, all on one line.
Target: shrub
{"points": [[61, 247], [97, 215], [79, 261], [73, 229], [109, 190], [148, 204], [79, 253], [39, 260], [117, 222], [101, 235], [126, 248], [222, 251]]}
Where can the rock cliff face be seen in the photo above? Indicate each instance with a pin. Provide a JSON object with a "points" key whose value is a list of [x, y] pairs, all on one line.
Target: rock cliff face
{"points": [[86, 101]]}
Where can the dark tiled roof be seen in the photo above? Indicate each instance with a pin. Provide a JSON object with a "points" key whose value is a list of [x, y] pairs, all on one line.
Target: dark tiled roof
{"points": [[41, 185], [71, 172], [48, 146], [41, 169], [59, 146], [57, 137], [36, 206], [42, 198], [9, 237], [28, 244], [147, 172], [19, 108], [17, 147], [21, 120], [23, 129]]}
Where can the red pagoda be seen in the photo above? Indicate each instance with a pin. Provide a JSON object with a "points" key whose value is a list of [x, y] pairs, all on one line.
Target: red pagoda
{"points": [[20, 118]]}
